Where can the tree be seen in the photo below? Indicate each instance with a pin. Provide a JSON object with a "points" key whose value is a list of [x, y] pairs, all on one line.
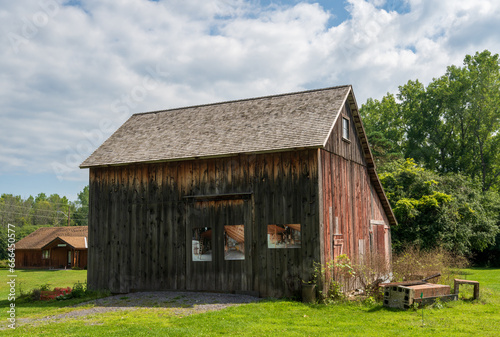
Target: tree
{"points": [[484, 100], [385, 128], [452, 125], [81, 212], [449, 211]]}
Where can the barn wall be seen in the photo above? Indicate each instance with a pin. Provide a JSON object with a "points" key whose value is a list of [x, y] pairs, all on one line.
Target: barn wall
{"points": [[349, 202], [140, 218], [350, 150]]}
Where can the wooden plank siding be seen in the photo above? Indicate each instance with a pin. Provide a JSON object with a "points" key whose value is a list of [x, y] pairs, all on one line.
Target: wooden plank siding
{"points": [[32, 258], [142, 215], [349, 200]]}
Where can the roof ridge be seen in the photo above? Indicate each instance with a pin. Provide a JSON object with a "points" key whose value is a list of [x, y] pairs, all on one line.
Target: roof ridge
{"points": [[243, 100]]}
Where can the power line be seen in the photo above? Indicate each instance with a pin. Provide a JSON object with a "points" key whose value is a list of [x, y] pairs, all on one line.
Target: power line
{"points": [[36, 212], [38, 209], [43, 216], [50, 203]]}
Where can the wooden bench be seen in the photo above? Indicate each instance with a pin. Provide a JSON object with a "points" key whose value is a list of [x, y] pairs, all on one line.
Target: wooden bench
{"points": [[458, 282]]}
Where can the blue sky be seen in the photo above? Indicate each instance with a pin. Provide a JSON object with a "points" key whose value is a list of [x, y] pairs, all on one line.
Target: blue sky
{"points": [[71, 72]]}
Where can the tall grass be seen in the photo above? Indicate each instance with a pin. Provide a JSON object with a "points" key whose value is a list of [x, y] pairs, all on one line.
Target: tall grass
{"points": [[415, 264]]}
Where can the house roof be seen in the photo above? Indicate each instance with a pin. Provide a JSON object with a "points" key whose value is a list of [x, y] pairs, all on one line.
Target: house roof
{"points": [[42, 236], [265, 124], [76, 242]]}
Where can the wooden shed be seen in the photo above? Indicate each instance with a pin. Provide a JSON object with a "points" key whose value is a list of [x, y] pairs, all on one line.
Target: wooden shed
{"points": [[240, 196], [53, 247]]}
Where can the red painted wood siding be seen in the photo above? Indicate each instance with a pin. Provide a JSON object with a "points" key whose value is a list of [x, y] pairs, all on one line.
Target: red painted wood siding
{"points": [[348, 196]]}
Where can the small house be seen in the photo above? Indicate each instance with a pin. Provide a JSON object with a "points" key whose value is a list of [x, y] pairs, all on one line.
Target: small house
{"points": [[239, 196], [53, 247]]}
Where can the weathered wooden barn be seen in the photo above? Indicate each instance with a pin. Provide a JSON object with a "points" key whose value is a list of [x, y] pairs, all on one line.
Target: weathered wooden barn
{"points": [[237, 196], [53, 247]]}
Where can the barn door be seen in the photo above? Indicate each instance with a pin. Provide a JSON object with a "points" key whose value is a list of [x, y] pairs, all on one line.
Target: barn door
{"points": [[218, 243], [379, 244]]}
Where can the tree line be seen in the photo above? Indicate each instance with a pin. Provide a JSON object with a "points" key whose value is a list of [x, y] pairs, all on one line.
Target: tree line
{"points": [[27, 215], [437, 152]]}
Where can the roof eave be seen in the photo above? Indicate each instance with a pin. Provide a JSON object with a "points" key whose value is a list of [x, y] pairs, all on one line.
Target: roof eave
{"points": [[225, 155], [372, 171]]}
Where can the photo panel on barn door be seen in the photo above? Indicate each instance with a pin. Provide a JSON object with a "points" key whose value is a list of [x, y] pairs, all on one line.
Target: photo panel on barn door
{"points": [[284, 236], [199, 233], [233, 230], [202, 244], [234, 242]]}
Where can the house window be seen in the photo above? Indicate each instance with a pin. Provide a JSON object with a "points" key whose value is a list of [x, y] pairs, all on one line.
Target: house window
{"points": [[234, 242], [283, 236], [345, 128], [202, 244], [45, 254]]}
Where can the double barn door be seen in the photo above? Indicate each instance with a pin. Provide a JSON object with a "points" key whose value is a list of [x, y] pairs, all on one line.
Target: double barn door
{"points": [[218, 244]]}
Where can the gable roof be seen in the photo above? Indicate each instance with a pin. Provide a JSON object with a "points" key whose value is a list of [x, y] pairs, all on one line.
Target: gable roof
{"points": [[76, 242], [42, 236], [265, 124], [257, 125]]}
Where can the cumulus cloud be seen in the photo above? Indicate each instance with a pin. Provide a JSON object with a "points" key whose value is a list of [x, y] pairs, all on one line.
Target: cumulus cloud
{"points": [[72, 72]]}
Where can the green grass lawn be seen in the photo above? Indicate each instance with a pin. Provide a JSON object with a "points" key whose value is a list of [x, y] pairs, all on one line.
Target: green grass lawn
{"points": [[287, 318], [28, 279]]}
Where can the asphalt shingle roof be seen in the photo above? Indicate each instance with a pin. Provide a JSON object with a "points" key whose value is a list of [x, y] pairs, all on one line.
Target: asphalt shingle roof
{"points": [[272, 123], [44, 235]]}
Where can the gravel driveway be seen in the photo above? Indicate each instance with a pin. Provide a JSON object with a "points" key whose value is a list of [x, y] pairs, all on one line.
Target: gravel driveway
{"points": [[177, 303]]}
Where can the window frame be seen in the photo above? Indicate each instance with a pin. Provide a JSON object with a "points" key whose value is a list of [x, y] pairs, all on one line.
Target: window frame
{"points": [[348, 120]]}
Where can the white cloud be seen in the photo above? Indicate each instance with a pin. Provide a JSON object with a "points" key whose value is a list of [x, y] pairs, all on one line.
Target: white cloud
{"points": [[68, 73]]}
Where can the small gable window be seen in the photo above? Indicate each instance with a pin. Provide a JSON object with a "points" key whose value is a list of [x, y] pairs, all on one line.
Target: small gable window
{"points": [[45, 254], [345, 128]]}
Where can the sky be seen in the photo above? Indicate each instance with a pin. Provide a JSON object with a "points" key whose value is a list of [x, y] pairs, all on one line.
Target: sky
{"points": [[71, 72]]}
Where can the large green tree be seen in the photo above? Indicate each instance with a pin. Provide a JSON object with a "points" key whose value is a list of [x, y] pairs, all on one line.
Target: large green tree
{"points": [[449, 211], [452, 125]]}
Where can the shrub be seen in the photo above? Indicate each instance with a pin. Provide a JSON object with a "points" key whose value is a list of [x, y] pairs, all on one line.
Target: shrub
{"points": [[35, 295], [45, 287], [415, 264], [79, 290]]}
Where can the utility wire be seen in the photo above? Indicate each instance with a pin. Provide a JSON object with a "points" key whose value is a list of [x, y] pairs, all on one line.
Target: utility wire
{"points": [[44, 216]]}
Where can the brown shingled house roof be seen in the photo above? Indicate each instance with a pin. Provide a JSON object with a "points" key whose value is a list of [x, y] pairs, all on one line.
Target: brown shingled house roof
{"points": [[43, 236]]}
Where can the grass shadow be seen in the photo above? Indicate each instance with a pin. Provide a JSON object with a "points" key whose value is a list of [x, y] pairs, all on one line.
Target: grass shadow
{"points": [[381, 307]]}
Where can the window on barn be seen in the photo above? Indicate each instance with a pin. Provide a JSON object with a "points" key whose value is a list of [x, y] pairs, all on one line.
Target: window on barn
{"points": [[202, 244], [234, 242], [284, 236], [45, 254], [345, 128]]}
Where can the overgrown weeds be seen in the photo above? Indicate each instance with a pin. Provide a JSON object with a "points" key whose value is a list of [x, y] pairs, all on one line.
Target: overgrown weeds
{"points": [[415, 264], [341, 279]]}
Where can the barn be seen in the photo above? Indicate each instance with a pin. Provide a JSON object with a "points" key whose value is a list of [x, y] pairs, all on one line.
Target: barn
{"points": [[240, 196], [53, 247]]}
